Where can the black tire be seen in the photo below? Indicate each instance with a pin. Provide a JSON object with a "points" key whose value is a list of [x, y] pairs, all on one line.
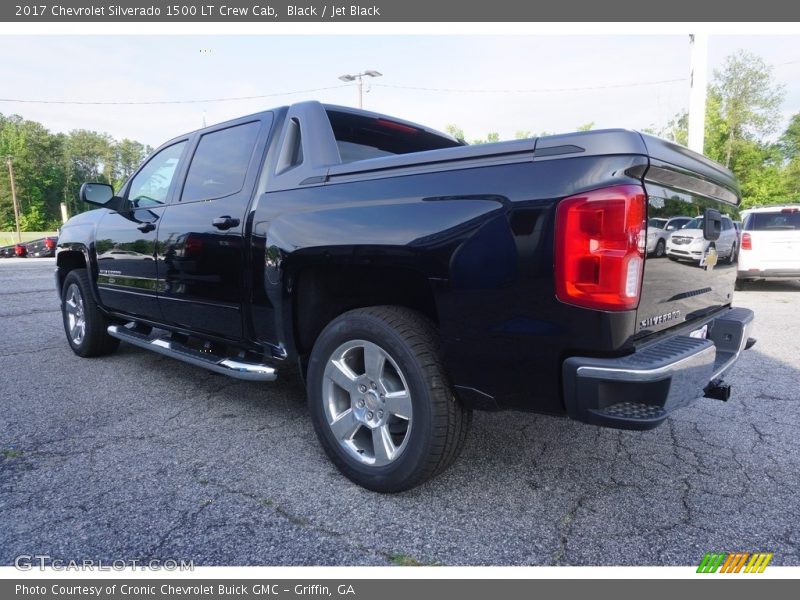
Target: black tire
{"points": [[661, 248], [437, 425], [94, 340], [732, 255]]}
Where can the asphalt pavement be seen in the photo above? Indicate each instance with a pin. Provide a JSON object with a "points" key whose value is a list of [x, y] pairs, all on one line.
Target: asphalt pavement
{"points": [[136, 456]]}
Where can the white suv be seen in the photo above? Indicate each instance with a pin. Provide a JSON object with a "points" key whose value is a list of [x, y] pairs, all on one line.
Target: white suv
{"points": [[770, 245], [688, 242]]}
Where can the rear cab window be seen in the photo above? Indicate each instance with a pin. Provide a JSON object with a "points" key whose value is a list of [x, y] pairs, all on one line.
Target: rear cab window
{"points": [[361, 137]]}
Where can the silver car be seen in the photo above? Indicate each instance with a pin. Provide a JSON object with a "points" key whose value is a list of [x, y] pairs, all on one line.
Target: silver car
{"points": [[658, 231], [688, 243]]}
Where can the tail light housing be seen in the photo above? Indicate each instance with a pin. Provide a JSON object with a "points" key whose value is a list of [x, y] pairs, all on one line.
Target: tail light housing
{"points": [[747, 241], [600, 248], [49, 243]]}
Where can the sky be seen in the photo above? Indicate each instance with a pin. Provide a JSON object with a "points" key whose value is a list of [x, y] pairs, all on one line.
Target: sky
{"points": [[480, 83]]}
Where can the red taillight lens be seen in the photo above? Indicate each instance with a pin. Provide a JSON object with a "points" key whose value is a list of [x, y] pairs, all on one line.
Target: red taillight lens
{"points": [[747, 241], [599, 250], [49, 243]]}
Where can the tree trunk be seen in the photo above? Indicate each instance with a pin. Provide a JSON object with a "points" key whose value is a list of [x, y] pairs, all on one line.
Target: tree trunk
{"points": [[729, 150]]}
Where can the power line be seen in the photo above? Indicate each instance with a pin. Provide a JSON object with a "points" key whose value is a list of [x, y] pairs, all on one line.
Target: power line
{"points": [[151, 102], [383, 85], [532, 90]]}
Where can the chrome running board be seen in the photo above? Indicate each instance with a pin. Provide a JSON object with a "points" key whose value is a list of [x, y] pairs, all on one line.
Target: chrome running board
{"points": [[232, 367]]}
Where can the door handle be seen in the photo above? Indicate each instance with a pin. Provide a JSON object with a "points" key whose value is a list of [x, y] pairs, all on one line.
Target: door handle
{"points": [[146, 227], [225, 222]]}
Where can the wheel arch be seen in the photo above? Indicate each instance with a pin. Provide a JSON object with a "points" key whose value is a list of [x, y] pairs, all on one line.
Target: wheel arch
{"points": [[323, 292], [74, 256]]}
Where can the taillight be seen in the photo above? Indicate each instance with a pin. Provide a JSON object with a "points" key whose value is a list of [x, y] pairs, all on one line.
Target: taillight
{"points": [[747, 241], [49, 244], [600, 245]]}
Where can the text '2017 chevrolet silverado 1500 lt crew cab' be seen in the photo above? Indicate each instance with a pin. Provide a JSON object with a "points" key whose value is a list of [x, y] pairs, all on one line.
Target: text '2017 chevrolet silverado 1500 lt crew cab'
{"points": [[412, 278]]}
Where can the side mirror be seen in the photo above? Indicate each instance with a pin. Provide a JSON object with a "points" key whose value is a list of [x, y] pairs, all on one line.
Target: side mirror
{"points": [[712, 224], [101, 194], [96, 193]]}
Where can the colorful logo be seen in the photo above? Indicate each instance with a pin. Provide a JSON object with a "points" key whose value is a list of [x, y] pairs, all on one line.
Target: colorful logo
{"points": [[734, 562]]}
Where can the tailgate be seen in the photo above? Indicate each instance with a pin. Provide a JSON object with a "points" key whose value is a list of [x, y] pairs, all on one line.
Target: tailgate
{"points": [[680, 182]]}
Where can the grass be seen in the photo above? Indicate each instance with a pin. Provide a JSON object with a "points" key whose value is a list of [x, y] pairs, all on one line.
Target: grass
{"points": [[403, 560]]}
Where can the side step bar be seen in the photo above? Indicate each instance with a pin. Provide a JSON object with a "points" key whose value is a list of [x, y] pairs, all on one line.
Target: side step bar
{"points": [[232, 367]]}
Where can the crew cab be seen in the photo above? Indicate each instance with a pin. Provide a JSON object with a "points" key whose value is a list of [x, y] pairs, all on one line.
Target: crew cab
{"points": [[411, 278]]}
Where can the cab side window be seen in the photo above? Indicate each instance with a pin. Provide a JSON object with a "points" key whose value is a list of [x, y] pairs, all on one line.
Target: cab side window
{"points": [[151, 185], [219, 165]]}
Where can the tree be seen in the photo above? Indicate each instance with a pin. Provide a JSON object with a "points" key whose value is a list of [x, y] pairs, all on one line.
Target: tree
{"points": [[37, 175], [790, 140], [455, 131], [88, 156], [585, 127], [129, 154], [749, 99], [49, 168]]}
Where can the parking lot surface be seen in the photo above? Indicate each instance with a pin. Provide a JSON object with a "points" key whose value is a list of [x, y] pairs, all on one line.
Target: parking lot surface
{"points": [[136, 456]]}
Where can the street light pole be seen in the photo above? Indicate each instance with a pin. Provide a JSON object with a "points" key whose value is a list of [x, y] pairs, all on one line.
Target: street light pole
{"points": [[359, 79], [14, 197], [698, 91]]}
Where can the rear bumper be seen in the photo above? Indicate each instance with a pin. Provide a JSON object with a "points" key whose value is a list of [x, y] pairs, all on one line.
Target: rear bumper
{"points": [[779, 273], [640, 390]]}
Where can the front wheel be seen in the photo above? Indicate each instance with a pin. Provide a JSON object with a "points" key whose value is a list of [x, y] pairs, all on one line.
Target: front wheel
{"points": [[84, 323], [380, 401]]}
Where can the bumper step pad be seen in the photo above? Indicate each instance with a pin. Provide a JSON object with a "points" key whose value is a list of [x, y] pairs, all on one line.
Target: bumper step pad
{"points": [[633, 411]]}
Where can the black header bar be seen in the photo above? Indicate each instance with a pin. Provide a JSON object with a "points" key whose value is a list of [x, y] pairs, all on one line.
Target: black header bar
{"points": [[392, 11]]}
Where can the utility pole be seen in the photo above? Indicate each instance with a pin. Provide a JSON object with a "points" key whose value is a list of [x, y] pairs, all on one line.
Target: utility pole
{"points": [[698, 81], [358, 77], [14, 197]]}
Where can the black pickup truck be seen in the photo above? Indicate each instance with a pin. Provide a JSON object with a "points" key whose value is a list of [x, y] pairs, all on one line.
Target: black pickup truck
{"points": [[411, 278]]}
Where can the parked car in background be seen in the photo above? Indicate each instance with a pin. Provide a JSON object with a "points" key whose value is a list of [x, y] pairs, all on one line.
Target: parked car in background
{"points": [[658, 231], [689, 243], [770, 244], [42, 247]]}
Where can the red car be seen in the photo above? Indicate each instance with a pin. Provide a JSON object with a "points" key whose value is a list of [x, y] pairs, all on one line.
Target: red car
{"points": [[42, 247]]}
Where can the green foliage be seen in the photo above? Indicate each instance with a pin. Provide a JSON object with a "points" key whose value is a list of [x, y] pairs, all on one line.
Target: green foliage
{"points": [[49, 169], [789, 142], [741, 113], [455, 131], [585, 127], [749, 99]]}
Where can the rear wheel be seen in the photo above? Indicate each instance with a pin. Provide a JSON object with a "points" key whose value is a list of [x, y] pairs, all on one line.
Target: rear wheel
{"points": [[380, 401], [732, 255], [84, 323]]}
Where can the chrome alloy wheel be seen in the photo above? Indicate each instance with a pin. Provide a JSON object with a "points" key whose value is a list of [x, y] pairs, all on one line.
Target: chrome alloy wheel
{"points": [[76, 318], [367, 402]]}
